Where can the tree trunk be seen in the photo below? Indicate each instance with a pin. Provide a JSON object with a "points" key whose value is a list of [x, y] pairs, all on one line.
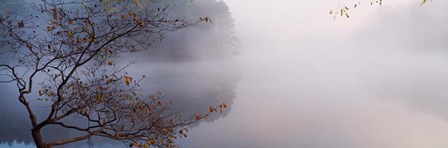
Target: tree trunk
{"points": [[37, 137]]}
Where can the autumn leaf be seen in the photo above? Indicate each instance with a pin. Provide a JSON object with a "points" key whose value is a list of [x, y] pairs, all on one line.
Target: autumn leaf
{"points": [[152, 141], [127, 80], [110, 63], [137, 3], [48, 28], [172, 136], [212, 109], [151, 107], [224, 104], [117, 136], [70, 33], [136, 144], [98, 98], [54, 24]]}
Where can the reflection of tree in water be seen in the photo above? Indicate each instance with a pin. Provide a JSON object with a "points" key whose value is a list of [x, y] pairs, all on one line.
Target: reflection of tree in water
{"points": [[194, 86], [194, 66]]}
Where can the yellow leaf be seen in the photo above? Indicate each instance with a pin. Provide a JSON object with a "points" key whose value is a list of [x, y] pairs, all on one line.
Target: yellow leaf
{"points": [[117, 136], [48, 28], [151, 107], [110, 63], [136, 144], [54, 24], [137, 3], [70, 33], [152, 141], [98, 98], [127, 80]]}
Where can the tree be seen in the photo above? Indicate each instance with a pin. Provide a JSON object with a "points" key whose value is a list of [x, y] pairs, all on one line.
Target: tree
{"points": [[61, 57]]}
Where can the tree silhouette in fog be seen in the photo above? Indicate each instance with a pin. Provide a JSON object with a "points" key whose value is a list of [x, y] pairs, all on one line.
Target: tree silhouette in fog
{"points": [[215, 40]]}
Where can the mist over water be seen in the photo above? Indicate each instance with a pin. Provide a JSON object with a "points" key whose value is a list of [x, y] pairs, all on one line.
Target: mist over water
{"points": [[304, 79], [376, 80]]}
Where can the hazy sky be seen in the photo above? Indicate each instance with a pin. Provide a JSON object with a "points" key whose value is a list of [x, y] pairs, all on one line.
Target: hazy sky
{"points": [[376, 80]]}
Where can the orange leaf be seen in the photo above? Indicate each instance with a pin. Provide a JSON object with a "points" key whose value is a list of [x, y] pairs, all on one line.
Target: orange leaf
{"points": [[109, 80], [152, 141], [127, 80], [212, 109], [98, 98], [151, 107], [224, 104]]}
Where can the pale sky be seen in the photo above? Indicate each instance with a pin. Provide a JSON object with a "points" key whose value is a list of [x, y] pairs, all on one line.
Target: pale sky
{"points": [[376, 80]]}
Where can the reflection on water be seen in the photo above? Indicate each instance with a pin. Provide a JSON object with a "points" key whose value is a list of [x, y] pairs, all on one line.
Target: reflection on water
{"points": [[193, 86]]}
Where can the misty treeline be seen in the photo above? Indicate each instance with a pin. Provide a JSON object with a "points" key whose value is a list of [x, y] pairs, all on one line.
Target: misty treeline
{"points": [[213, 40], [65, 61]]}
